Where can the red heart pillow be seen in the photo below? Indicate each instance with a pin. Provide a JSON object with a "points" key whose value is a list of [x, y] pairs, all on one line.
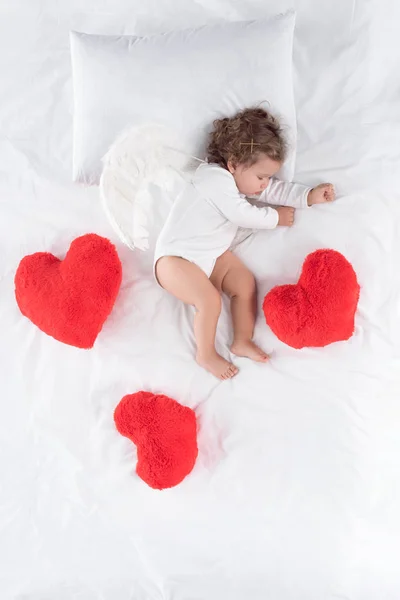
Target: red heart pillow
{"points": [[320, 308], [70, 299], [165, 434]]}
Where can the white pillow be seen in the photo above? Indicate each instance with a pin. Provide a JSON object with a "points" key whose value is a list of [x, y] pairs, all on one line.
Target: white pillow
{"points": [[181, 79]]}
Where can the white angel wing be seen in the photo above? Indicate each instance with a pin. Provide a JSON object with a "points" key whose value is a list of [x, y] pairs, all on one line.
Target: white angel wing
{"points": [[139, 157]]}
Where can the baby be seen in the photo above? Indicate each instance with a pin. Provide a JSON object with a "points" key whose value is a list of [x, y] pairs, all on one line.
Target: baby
{"points": [[193, 260]]}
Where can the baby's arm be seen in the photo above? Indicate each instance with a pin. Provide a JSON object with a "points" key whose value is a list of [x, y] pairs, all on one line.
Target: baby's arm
{"points": [[239, 211], [219, 188], [284, 193]]}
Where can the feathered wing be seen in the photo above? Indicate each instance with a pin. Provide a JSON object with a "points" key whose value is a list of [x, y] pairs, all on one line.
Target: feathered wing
{"points": [[149, 154]]}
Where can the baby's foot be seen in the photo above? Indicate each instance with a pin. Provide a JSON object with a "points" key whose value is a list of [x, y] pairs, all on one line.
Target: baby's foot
{"points": [[248, 349], [218, 366]]}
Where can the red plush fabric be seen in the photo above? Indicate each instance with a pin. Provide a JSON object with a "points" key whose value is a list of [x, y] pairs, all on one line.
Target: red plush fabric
{"points": [[164, 432], [320, 308], [70, 299]]}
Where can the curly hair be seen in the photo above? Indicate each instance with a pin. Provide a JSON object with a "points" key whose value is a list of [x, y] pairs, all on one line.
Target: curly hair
{"points": [[244, 137]]}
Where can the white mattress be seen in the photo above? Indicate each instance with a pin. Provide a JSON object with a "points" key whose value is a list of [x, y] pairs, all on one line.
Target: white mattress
{"points": [[296, 491]]}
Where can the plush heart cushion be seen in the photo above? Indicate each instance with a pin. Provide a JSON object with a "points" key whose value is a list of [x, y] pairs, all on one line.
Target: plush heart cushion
{"points": [[165, 434], [320, 308], [70, 299]]}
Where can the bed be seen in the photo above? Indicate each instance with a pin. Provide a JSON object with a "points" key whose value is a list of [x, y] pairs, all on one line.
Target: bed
{"points": [[296, 490]]}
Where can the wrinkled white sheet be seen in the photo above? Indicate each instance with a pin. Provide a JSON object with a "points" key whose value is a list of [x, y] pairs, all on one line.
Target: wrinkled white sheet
{"points": [[296, 492]]}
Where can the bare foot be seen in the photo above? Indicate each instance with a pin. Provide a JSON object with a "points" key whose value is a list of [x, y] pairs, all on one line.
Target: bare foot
{"points": [[218, 366], [248, 349]]}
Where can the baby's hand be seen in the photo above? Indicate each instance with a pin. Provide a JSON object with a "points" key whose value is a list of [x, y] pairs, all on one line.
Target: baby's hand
{"points": [[286, 215], [324, 192]]}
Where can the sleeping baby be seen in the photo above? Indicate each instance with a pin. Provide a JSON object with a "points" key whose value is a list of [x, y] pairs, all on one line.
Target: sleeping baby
{"points": [[193, 260]]}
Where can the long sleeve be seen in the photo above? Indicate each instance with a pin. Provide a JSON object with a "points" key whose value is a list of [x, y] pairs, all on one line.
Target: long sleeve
{"points": [[219, 188], [283, 193], [239, 211]]}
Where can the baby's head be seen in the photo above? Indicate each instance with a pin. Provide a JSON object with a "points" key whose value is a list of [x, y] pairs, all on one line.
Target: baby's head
{"points": [[249, 145]]}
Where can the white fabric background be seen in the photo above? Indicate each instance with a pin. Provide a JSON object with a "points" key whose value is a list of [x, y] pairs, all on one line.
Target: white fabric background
{"points": [[296, 492]]}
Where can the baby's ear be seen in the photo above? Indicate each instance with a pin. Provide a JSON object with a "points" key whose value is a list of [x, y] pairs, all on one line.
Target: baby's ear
{"points": [[231, 166]]}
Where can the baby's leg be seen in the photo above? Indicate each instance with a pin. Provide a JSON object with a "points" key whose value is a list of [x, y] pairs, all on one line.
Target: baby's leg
{"points": [[239, 283], [190, 284]]}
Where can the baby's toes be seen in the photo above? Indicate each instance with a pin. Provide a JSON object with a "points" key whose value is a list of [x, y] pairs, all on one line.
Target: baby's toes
{"points": [[231, 372]]}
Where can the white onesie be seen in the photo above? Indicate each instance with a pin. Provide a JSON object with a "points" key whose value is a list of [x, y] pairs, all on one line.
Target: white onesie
{"points": [[205, 218]]}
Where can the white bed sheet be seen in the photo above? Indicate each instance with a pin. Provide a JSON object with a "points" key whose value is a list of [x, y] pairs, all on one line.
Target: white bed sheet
{"points": [[296, 491]]}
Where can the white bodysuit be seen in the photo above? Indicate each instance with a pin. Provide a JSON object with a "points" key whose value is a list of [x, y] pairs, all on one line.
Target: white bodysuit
{"points": [[205, 218]]}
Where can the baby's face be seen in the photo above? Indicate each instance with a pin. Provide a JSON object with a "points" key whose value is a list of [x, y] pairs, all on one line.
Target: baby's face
{"points": [[253, 180]]}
